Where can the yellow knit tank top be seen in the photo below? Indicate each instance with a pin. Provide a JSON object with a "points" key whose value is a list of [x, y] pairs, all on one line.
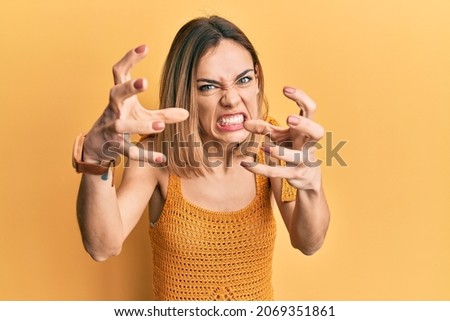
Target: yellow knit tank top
{"points": [[204, 255]]}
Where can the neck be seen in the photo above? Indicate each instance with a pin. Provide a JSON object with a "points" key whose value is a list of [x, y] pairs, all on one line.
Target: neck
{"points": [[217, 158]]}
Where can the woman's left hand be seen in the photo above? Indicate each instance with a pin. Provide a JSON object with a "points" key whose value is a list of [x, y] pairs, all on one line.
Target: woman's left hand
{"points": [[294, 145]]}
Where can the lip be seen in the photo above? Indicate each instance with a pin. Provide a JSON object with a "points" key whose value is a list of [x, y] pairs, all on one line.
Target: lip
{"points": [[231, 127]]}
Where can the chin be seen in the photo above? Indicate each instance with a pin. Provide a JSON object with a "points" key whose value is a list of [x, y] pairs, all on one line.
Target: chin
{"points": [[237, 138]]}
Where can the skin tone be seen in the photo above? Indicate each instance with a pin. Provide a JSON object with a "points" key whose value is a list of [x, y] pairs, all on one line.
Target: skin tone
{"points": [[227, 88]]}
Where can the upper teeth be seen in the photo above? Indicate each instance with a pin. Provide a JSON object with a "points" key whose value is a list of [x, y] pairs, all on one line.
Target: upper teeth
{"points": [[231, 120]]}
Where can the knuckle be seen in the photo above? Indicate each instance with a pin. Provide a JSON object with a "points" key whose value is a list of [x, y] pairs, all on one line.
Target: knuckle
{"points": [[118, 126], [134, 152], [260, 128], [113, 95], [320, 132], [298, 174], [310, 147], [117, 69], [144, 127]]}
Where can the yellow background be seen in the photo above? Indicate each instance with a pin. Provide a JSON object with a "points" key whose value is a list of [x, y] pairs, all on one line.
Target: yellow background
{"points": [[378, 70]]}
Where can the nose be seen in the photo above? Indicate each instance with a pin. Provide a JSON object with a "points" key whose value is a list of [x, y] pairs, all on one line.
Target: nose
{"points": [[230, 97]]}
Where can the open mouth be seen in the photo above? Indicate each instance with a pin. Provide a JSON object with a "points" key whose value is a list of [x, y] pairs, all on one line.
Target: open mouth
{"points": [[231, 120]]}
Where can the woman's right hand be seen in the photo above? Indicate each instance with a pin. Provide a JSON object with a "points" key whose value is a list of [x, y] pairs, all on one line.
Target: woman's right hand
{"points": [[125, 115]]}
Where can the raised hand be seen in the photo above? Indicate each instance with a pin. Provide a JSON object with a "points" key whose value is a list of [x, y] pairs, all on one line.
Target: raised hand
{"points": [[125, 115], [293, 145]]}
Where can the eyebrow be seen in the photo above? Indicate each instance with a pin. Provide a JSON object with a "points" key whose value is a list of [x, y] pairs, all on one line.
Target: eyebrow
{"points": [[211, 81]]}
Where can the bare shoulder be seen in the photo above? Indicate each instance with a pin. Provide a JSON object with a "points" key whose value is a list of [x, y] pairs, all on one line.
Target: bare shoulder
{"points": [[153, 180], [143, 177]]}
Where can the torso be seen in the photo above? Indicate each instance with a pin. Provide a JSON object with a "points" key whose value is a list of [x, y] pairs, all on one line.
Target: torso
{"points": [[216, 248], [212, 192]]}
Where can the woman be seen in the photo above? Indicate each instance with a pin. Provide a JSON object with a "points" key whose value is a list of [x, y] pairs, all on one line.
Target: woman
{"points": [[207, 186]]}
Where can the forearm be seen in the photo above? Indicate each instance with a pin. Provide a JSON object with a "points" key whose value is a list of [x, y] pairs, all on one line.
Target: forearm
{"points": [[99, 217], [309, 221]]}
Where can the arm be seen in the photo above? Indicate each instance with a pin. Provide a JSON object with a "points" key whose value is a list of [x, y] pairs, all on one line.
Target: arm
{"points": [[306, 218], [106, 216]]}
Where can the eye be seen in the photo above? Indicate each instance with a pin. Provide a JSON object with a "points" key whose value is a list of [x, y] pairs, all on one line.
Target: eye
{"points": [[208, 87], [244, 80]]}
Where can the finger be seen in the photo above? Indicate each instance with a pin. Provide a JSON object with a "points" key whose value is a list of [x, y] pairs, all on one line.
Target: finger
{"points": [[259, 126], [154, 122], [120, 126], [304, 129], [293, 157], [273, 171], [120, 145], [307, 105], [168, 115], [136, 153], [306, 156], [122, 91], [122, 69]]}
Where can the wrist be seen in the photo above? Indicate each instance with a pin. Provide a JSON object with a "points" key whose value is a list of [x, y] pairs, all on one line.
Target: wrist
{"points": [[87, 165], [313, 192], [86, 158], [88, 153]]}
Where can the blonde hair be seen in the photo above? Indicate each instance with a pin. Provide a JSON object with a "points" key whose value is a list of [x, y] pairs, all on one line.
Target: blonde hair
{"points": [[177, 89]]}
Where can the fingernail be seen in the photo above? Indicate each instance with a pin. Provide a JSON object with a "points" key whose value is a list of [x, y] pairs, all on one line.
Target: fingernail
{"points": [[289, 90], [266, 149], [160, 159], [248, 164], [157, 125], [139, 84], [245, 164], [140, 49], [292, 120]]}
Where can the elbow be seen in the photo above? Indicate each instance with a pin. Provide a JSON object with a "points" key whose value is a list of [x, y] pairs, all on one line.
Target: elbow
{"points": [[308, 251], [309, 241], [307, 248], [101, 254]]}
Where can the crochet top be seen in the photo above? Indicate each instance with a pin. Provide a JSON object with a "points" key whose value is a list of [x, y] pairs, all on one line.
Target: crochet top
{"points": [[199, 254], [203, 255]]}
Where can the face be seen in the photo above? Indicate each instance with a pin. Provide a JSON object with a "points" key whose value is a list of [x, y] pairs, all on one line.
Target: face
{"points": [[227, 92]]}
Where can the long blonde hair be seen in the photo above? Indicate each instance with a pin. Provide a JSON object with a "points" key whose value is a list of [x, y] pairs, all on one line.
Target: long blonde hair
{"points": [[177, 89]]}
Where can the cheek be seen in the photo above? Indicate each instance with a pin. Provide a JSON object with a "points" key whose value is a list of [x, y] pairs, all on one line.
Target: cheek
{"points": [[251, 101], [205, 112]]}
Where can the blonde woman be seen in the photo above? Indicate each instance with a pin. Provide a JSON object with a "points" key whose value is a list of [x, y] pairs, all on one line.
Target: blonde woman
{"points": [[205, 168]]}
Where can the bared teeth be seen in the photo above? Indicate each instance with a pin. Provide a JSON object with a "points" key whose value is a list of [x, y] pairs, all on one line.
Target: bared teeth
{"points": [[231, 120]]}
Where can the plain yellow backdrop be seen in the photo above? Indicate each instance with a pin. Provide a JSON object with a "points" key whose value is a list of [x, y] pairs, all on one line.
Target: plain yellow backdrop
{"points": [[378, 70]]}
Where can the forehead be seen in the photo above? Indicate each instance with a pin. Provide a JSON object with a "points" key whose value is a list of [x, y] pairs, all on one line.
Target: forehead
{"points": [[224, 61]]}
